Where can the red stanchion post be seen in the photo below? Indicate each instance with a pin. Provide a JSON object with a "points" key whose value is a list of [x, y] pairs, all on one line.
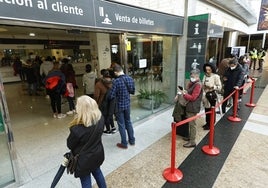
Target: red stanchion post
{"points": [[234, 117], [251, 104], [211, 149], [173, 174]]}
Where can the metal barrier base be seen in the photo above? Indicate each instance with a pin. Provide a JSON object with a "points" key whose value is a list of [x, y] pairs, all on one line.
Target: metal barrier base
{"points": [[174, 177], [211, 151], [234, 119]]}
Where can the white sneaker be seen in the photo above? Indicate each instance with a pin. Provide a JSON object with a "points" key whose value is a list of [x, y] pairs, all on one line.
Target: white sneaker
{"points": [[61, 116], [71, 112], [55, 115]]}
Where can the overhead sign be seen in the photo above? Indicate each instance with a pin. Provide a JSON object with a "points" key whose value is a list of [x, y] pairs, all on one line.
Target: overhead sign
{"points": [[91, 13], [79, 13], [117, 16]]}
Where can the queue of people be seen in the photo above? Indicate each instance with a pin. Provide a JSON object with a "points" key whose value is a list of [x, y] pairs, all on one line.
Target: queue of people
{"points": [[230, 75]]}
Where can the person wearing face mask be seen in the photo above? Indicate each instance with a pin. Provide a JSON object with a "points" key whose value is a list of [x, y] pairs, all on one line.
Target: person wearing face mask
{"points": [[233, 79], [211, 85], [193, 94]]}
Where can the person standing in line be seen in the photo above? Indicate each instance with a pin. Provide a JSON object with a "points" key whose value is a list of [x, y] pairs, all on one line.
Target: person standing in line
{"points": [[101, 87], [193, 95], [87, 126], [233, 79], [55, 94], [70, 95], [122, 87], [253, 58], [261, 55], [88, 80], [46, 66], [211, 86], [107, 106], [245, 70], [31, 77]]}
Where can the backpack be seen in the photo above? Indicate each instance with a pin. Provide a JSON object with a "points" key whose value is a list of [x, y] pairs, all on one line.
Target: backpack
{"points": [[55, 84]]}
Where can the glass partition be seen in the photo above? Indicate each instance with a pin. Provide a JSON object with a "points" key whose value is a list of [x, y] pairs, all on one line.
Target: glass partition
{"points": [[151, 61], [7, 153]]}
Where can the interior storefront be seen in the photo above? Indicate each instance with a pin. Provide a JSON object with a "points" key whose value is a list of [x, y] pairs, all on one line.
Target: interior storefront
{"points": [[149, 59], [144, 42]]}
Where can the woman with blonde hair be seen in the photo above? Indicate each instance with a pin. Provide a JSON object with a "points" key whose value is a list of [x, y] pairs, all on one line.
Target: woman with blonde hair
{"points": [[85, 139]]}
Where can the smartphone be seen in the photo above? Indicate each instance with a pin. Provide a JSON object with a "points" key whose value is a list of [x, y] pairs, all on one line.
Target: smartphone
{"points": [[181, 88]]}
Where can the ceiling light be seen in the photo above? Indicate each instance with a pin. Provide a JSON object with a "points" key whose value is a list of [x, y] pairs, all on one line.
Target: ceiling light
{"points": [[32, 34]]}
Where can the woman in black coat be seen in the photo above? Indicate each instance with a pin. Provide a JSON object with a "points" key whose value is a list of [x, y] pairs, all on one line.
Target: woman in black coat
{"points": [[87, 126]]}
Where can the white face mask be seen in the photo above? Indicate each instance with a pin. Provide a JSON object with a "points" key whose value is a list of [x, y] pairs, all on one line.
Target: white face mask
{"points": [[193, 79], [232, 68]]}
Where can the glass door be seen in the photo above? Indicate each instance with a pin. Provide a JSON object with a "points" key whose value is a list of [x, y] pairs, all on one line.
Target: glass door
{"points": [[7, 154]]}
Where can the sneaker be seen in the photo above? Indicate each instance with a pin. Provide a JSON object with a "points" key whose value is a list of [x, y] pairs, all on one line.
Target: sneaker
{"points": [[107, 132], [60, 116], [71, 112], [114, 130], [55, 115]]}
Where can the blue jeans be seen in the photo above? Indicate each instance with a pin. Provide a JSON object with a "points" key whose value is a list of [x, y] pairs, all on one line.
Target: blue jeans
{"points": [[97, 174], [124, 124]]}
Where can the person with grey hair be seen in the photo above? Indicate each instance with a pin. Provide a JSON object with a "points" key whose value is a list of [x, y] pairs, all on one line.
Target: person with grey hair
{"points": [[232, 79], [85, 140], [193, 94]]}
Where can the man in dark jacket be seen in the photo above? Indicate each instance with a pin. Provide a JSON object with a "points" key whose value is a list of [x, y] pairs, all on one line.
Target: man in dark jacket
{"points": [[233, 79]]}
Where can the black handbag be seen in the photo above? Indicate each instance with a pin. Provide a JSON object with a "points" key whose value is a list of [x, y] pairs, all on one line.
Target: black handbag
{"points": [[211, 97], [72, 163], [73, 159]]}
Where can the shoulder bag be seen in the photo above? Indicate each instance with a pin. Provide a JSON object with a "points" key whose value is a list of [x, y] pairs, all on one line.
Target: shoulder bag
{"points": [[72, 163]]}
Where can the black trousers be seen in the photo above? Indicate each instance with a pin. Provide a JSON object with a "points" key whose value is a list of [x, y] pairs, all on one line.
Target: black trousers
{"points": [[55, 102]]}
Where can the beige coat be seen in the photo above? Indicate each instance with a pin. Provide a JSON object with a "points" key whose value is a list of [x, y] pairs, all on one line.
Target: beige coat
{"points": [[210, 83]]}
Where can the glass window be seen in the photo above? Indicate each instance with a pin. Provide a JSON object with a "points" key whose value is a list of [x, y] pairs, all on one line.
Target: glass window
{"points": [[151, 61]]}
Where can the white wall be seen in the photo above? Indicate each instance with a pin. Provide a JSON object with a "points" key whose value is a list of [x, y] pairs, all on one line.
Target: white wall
{"points": [[174, 7]]}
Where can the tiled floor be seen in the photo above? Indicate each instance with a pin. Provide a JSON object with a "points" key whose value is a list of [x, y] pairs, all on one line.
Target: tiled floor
{"points": [[40, 141]]}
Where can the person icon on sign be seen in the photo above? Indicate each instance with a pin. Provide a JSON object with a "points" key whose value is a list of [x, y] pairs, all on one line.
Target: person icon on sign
{"points": [[106, 20]]}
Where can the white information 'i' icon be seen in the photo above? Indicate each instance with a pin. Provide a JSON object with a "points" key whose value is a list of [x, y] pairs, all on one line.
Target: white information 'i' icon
{"points": [[196, 29]]}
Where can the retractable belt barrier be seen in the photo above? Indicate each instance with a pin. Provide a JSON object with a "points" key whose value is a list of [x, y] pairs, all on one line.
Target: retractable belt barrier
{"points": [[173, 174]]}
